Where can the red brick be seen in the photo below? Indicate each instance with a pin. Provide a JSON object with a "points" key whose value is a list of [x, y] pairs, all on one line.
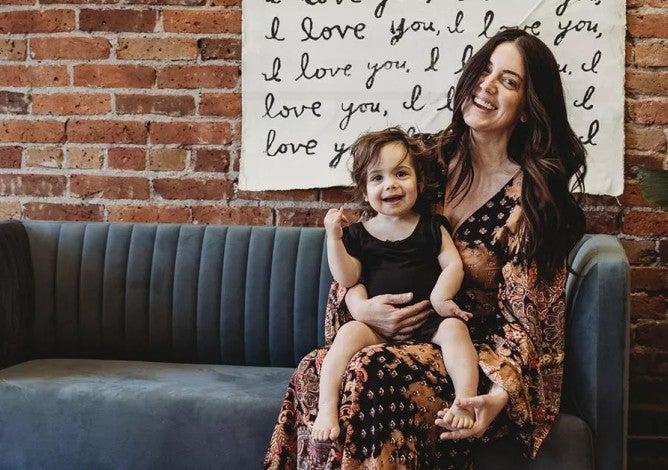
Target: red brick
{"points": [[10, 157], [191, 133], [117, 75], [32, 185], [167, 2], [48, 211], [663, 251], [113, 132], [645, 82], [651, 54], [36, 21], [644, 306], [46, 157], [13, 49], [89, 158], [292, 195], [109, 187], [202, 21], [628, 54], [208, 189], [646, 223], [225, 3], [34, 75], [295, 217], [75, 2], [652, 391], [173, 105], [646, 3], [198, 76], [13, 103], [337, 195], [127, 158], [649, 363], [10, 210], [69, 48], [220, 104], [647, 25], [213, 160], [167, 159], [157, 48], [220, 49], [648, 160], [648, 111], [233, 215], [17, 2], [653, 334], [32, 131], [649, 278], [645, 138], [633, 196], [149, 214], [607, 221], [123, 20], [71, 103], [640, 251]]}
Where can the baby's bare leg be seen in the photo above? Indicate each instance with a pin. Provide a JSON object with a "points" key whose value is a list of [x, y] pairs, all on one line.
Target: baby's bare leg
{"points": [[461, 363], [350, 338]]}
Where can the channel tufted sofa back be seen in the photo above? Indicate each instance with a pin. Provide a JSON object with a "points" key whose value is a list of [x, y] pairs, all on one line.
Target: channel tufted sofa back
{"points": [[215, 294]]}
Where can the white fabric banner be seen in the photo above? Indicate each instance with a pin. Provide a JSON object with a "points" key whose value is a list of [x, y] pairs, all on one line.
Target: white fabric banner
{"points": [[317, 73]]}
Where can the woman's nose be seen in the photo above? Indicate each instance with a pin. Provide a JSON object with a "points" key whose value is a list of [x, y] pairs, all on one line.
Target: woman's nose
{"points": [[487, 83]]}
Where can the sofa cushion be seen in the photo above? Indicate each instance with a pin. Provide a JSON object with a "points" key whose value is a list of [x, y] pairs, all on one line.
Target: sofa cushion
{"points": [[75, 413], [568, 446]]}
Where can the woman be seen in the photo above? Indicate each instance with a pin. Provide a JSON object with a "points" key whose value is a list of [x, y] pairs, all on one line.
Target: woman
{"points": [[508, 157]]}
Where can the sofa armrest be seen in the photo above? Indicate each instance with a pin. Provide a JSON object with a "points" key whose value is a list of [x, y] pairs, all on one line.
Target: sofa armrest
{"points": [[597, 349], [16, 293]]}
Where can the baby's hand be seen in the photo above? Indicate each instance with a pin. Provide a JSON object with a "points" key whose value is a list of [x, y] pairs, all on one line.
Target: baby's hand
{"points": [[334, 222], [448, 308]]}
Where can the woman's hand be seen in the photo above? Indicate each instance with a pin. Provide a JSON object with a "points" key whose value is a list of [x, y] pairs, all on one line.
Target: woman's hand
{"points": [[485, 408], [382, 314]]}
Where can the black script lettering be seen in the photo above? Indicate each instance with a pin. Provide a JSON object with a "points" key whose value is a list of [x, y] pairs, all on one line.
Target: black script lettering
{"points": [[587, 96], [351, 108], [321, 72], [415, 96], [449, 98], [564, 69], [533, 28], [486, 23], [276, 67], [591, 133], [338, 2], [288, 147], [582, 25], [399, 29], [594, 63], [434, 55], [377, 67], [380, 9], [466, 55], [458, 21], [287, 111], [328, 32], [275, 24], [339, 151], [272, 1]]}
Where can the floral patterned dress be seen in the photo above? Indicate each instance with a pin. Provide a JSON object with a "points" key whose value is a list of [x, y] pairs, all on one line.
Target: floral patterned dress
{"points": [[391, 392]]}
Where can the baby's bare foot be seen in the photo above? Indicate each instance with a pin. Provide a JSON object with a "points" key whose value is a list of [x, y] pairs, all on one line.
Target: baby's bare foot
{"points": [[459, 418], [326, 425]]}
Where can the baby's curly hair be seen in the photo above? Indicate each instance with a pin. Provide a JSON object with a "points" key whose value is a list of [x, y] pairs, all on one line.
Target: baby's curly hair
{"points": [[365, 152]]}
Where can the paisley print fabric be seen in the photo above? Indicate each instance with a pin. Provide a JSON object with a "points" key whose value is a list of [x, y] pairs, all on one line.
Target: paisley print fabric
{"points": [[390, 393]]}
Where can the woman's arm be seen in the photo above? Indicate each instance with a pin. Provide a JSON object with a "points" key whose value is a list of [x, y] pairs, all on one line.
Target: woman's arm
{"points": [[383, 314]]}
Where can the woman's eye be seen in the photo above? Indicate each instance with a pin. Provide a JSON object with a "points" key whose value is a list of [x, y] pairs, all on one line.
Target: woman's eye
{"points": [[510, 82], [375, 178], [402, 173]]}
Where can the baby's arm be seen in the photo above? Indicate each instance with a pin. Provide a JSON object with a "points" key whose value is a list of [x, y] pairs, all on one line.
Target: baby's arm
{"points": [[345, 269], [449, 281]]}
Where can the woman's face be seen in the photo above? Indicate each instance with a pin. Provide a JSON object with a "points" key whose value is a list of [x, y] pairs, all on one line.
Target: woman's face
{"points": [[497, 101]]}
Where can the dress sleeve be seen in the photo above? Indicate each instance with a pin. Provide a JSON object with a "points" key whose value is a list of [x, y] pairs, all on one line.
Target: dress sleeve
{"points": [[525, 356]]}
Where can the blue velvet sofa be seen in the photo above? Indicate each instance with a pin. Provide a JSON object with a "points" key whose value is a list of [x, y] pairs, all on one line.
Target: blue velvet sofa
{"points": [[169, 346]]}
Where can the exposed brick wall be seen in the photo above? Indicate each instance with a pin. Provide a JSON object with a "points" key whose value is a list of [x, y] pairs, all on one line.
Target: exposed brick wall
{"points": [[131, 111]]}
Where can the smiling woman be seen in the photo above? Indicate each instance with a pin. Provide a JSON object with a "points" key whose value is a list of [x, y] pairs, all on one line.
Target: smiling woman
{"points": [[507, 166]]}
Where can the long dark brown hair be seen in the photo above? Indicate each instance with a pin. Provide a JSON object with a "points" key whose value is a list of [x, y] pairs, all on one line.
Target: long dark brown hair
{"points": [[545, 147], [365, 152]]}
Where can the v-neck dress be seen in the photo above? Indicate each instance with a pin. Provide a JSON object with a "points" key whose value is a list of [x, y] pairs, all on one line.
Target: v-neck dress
{"points": [[391, 392]]}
